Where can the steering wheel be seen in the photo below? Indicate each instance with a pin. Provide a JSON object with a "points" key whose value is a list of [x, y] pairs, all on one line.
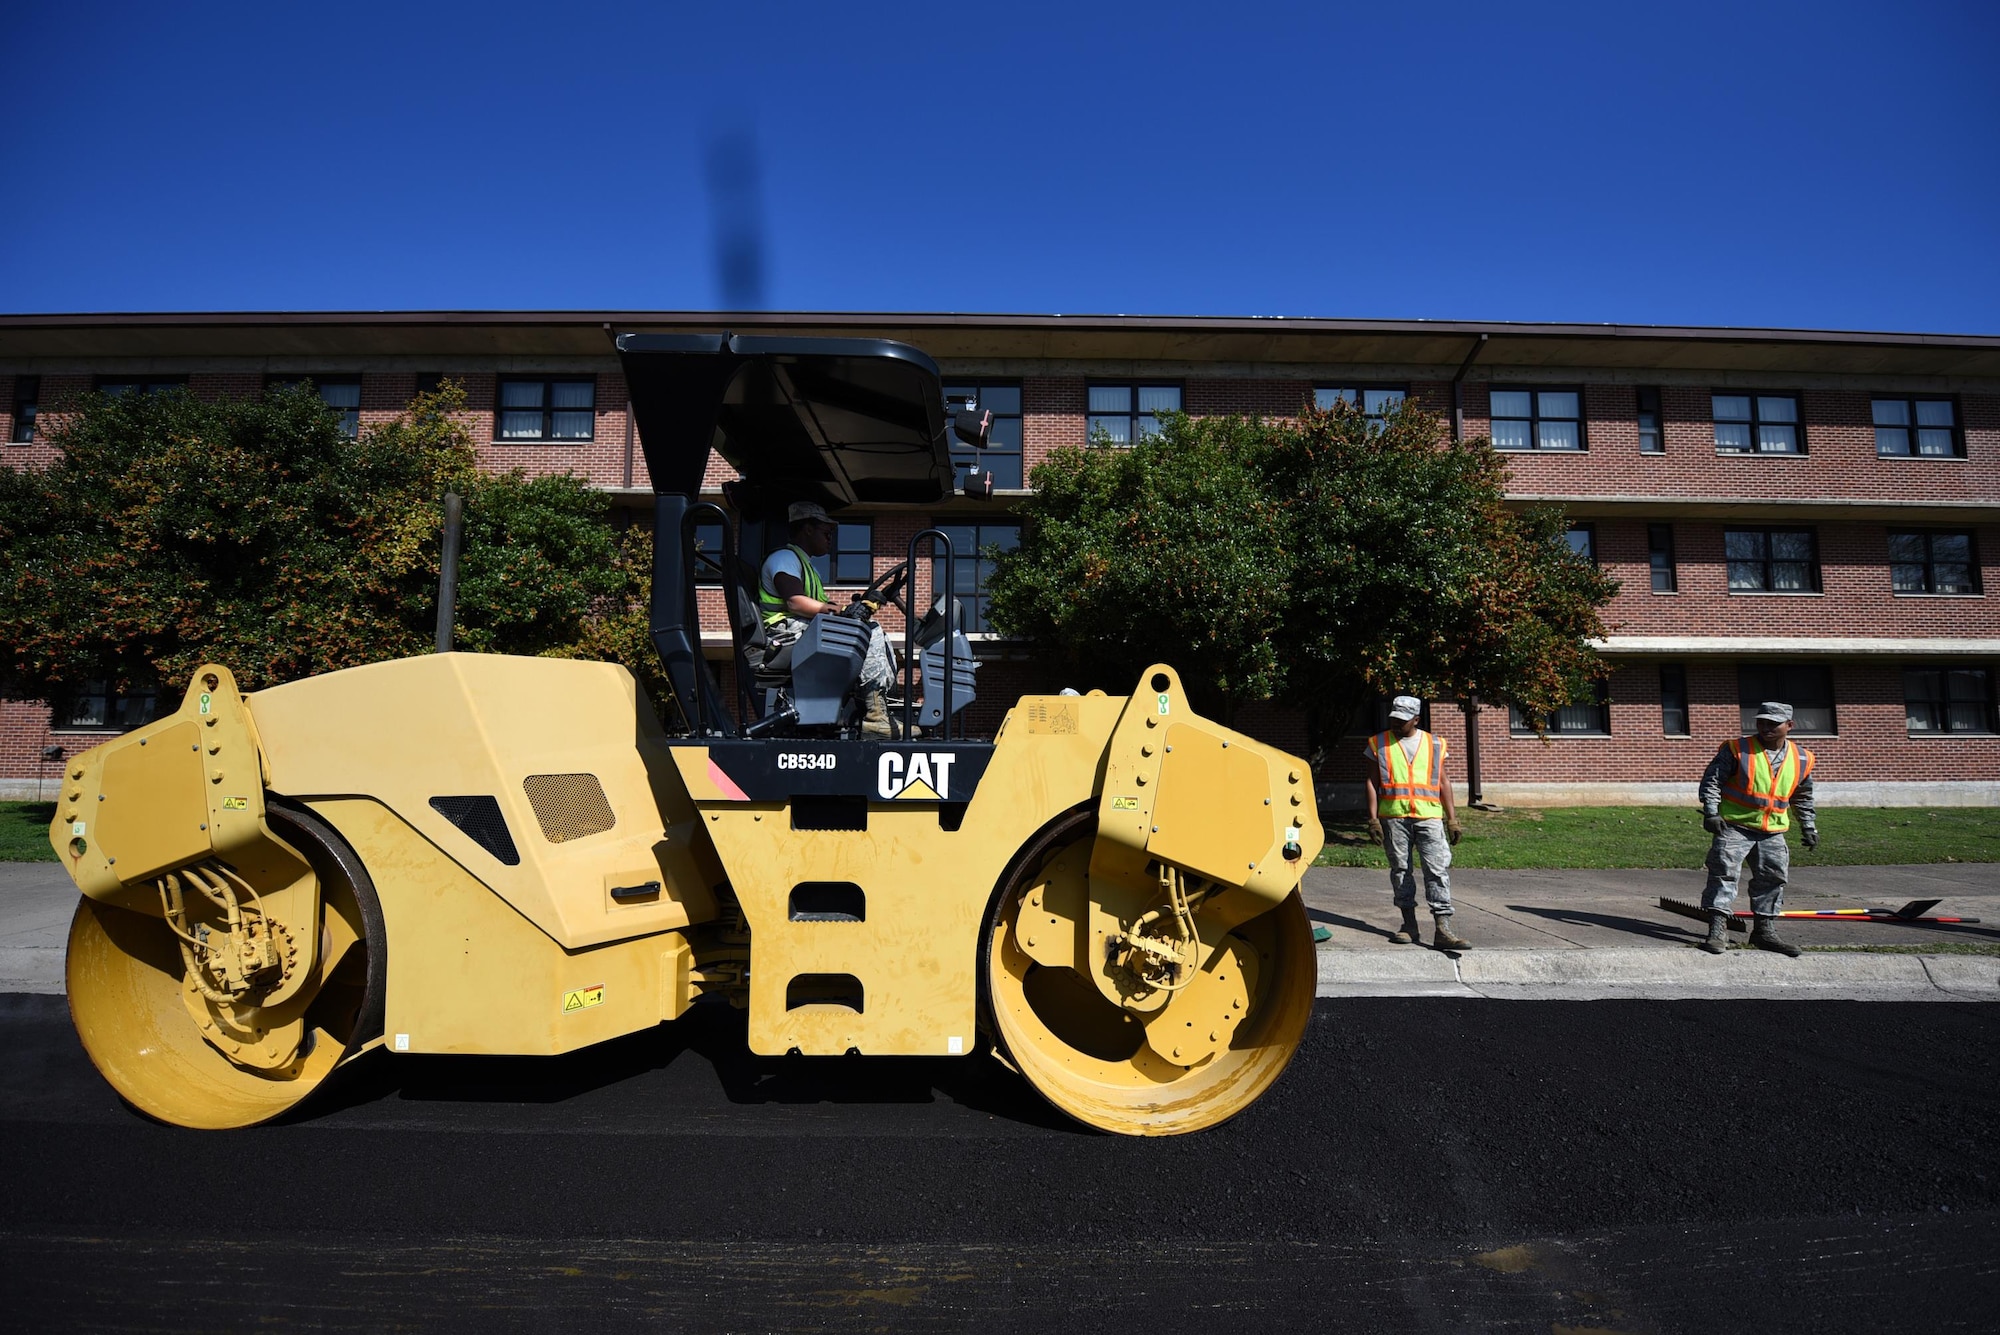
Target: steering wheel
{"points": [[887, 587]]}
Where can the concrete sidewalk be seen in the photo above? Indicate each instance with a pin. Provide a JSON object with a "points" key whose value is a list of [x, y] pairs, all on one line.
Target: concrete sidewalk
{"points": [[1588, 934], [1535, 935]]}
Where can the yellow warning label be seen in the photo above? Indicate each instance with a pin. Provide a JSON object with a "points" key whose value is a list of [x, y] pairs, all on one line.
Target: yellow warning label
{"points": [[235, 804], [1124, 804], [583, 998]]}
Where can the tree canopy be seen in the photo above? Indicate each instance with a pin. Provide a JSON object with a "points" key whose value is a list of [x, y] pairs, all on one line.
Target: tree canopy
{"points": [[170, 531], [1315, 561]]}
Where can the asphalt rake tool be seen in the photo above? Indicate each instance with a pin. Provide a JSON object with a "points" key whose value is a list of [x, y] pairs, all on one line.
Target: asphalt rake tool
{"points": [[1917, 910]]}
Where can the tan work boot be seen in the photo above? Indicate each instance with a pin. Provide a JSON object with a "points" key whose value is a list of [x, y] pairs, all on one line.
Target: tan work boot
{"points": [[1444, 938], [1764, 936], [1409, 935], [875, 720], [1718, 932]]}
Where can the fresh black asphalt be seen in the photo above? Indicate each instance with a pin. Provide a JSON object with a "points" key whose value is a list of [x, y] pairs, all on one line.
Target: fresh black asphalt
{"points": [[1425, 1164]]}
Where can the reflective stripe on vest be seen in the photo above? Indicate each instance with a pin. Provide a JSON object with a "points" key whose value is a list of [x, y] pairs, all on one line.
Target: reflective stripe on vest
{"points": [[773, 605], [1755, 794], [1409, 785]]}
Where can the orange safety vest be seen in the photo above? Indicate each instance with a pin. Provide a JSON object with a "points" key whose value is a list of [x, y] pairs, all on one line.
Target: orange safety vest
{"points": [[1758, 794], [1409, 785]]}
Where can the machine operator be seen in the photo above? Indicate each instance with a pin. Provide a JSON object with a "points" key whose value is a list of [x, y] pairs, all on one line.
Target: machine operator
{"points": [[790, 594]]}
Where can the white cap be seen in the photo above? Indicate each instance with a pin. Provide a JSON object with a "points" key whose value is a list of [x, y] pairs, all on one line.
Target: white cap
{"points": [[801, 511], [1405, 706]]}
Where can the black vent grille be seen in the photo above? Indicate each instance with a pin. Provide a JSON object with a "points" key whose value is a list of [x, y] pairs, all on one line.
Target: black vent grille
{"points": [[482, 822]]}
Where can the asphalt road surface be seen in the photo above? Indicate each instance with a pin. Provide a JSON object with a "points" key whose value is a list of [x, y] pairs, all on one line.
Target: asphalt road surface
{"points": [[1425, 1165]]}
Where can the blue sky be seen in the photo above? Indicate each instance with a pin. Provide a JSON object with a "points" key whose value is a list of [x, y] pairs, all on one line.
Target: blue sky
{"points": [[1821, 165]]}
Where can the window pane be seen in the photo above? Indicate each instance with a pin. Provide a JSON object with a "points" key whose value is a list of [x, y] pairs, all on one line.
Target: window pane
{"points": [[1006, 434], [1581, 542], [1906, 578], [1951, 546], [1951, 577], [1777, 439], [571, 426], [1934, 412], [1159, 399], [853, 568], [520, 394], [1934, 441], [1510, 435], [1730, 407], [1746, 575], [1743, 545], [1649, 435], [1966, 684], [1777, 408], [1673, 701], [1555, 404], [1510, 403], [1791, 577], [1891, 440], [1002, 399], [1557, 435], [1811, 719], [1110, 399], [573, 394], [89, 711], [340, 396], [1326, 398], [1119, 429], [1006, 470], [521, 426], [1906, 547], [1792, 546], [1891, 412], [1379, 401], [1732, 437]]}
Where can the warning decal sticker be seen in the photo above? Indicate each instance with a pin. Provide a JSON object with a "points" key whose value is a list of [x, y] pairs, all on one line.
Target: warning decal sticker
{"points": [[583, 998], [1124, 804]]}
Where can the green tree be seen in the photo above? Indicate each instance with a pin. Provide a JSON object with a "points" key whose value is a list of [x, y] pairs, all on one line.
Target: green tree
{"points": [[1315, 562], [172, 531]]}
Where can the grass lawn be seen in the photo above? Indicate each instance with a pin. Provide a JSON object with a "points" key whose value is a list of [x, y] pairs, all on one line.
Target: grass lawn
{"points": [[24, 831], [1673, 837]]}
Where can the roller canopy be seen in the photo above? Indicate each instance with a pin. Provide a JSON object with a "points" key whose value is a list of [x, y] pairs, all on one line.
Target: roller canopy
{"points": [[835, 420]]}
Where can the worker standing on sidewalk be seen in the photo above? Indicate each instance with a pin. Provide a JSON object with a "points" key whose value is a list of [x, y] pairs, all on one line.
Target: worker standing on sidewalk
{"points": [[1410, 807], [1749, 794]]}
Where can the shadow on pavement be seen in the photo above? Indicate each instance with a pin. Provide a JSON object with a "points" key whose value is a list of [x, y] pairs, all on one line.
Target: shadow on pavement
{"points": [[707, 1047], [1615, 922], [1352, 924]]}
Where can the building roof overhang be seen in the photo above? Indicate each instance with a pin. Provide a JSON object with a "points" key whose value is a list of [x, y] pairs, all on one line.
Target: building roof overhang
{"points": [[446, 335]]}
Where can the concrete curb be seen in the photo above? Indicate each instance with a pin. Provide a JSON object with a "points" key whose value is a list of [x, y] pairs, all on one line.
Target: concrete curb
{"points": [[1655, 973]]}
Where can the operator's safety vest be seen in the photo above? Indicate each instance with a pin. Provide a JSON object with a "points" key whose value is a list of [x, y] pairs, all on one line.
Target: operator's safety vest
{"points": [[1409, 785], [773, 605], [1756, 795]]}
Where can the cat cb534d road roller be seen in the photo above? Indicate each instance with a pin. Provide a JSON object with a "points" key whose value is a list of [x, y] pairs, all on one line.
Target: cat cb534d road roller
{"points": [[468, 853]]}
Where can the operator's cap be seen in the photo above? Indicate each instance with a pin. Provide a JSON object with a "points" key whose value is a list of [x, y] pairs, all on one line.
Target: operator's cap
{"points": [[1405, 706], [1775, 710], [801, 511]]}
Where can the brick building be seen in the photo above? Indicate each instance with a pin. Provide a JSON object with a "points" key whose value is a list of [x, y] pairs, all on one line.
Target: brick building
{"points": [[1807, 515]]}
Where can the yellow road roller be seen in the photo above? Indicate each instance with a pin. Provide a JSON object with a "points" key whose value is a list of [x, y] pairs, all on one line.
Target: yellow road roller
{"points": [[482, 854]]}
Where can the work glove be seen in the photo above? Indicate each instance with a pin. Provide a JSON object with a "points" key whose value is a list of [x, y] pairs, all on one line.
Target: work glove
{"points": [[1712, 823], [1809, 836], [1375, 828], [1452, 832]]}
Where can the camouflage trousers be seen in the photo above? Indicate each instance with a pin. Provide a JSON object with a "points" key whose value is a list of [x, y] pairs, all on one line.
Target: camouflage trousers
{"points": [[1401, 834], [1768, 859]]}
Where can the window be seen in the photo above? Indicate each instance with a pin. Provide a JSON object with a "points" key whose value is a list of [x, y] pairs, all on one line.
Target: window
{"points": [[1592, 718], [541, 409], [708, 543], [342, 393], [968, 543], [1674, 700], [1650, 439], [97, 707], [1948, 699], [1934, 421], [1375, 404], [1807, 688], [1002, 458], [1769, 420], [1537, 419], [1660, 555], [851, 560], [1129, 413], [1583, 541], [1771, 560], [27, 392], [1933, 562], [152, 384]]}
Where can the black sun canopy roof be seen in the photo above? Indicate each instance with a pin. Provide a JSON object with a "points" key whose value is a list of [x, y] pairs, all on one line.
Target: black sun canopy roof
{"points": [[833, 420]]}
